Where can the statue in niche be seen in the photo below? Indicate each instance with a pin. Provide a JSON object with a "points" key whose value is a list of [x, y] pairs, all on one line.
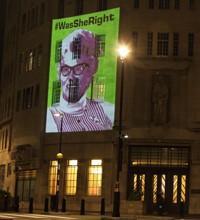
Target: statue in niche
{"points": [[160, 98]]}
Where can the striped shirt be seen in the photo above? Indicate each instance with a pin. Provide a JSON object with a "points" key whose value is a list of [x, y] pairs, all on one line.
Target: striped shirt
{"points": [[92, 119]]}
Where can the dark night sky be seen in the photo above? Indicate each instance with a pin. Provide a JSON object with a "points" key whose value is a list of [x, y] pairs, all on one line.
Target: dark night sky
{"points": [[2, 21]]}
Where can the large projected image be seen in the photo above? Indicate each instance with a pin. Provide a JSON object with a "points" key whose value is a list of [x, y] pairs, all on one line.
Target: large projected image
{"points": [[82, 73]]}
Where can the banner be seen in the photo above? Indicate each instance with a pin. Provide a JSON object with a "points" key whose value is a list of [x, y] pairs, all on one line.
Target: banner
{"points": [[82, 72]]}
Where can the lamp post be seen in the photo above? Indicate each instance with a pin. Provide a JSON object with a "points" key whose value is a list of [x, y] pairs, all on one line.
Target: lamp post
{"points": [[116, 201], [59, 157]]}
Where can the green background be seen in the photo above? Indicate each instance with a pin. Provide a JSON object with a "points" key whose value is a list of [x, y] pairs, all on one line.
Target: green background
{"points": [[107, 64]]}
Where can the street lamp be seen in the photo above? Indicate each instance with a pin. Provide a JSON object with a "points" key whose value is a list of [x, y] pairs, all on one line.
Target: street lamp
{"points": [[123, 52], [59, 157]]}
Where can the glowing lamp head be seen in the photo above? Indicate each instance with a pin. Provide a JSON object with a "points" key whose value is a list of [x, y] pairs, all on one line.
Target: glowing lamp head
{"points": [[123, 52], [59, 155]]}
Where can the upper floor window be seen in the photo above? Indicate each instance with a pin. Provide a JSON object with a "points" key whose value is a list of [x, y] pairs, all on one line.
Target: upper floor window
{"points": [[37, 95], [162, 44], [39, 55], [164, 4], [95, 178], [32, 18], [61, 8], [190, 44], [135, 42], [27, 98], [79, 7], [192, 4], [4, 139], [77, 48], [30, 60], [23, 28], [151, 4], [100, 45], [136, 3], [2, 175], [99, 87], [18, 101], [56, 92], [21, 63], [176, 44], [150, 44], [58, 51], [176, 4], [102, 5], [42, 14]]}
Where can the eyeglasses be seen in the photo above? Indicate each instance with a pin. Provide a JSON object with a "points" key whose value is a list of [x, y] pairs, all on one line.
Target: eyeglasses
{"points": [[77, 70]]}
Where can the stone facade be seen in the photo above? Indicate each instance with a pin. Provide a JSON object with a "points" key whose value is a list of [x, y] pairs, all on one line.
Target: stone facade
{"points": [[160, 103]]}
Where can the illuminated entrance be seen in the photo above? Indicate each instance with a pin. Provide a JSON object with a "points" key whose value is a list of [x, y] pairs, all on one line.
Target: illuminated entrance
{"points": [[159, 171]]}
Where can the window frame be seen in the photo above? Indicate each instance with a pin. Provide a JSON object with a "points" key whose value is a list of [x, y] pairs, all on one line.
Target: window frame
{"points": [[162, 44], [95, 174], [71, 175]]}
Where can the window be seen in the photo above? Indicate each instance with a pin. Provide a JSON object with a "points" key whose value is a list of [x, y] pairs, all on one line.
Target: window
{"points": [[151, 4], [100, 45], [164, 4], [4, 139], [102, 5], [30, 60], [99, 88], [11, 72], [26, 61], [21, 63], [29, 21], [26, 184], [177, 4], [18, 101], [42, 14], [73, 87], [8, 107], [37, 95], [176, 44], [58, 51], [27, 98], [79, 7], [39, 55], [77, 48], [61, 8], [135, 42], [192, 4], [33, 18], [159, 156], [95, 178], [150, 44], [53, 168], [9, 169], [162, 44], [23, 28], [136, 3], [2, 175], [71, 177], [56, 92], [190, 44], [34, 58]]}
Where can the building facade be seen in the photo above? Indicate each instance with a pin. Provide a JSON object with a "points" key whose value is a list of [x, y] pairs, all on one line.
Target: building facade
{"points": [[160, 111]]}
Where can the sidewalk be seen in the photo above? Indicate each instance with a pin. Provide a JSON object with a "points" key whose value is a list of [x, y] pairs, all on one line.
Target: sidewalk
{"points": [[131, 217], [97, 216]]}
